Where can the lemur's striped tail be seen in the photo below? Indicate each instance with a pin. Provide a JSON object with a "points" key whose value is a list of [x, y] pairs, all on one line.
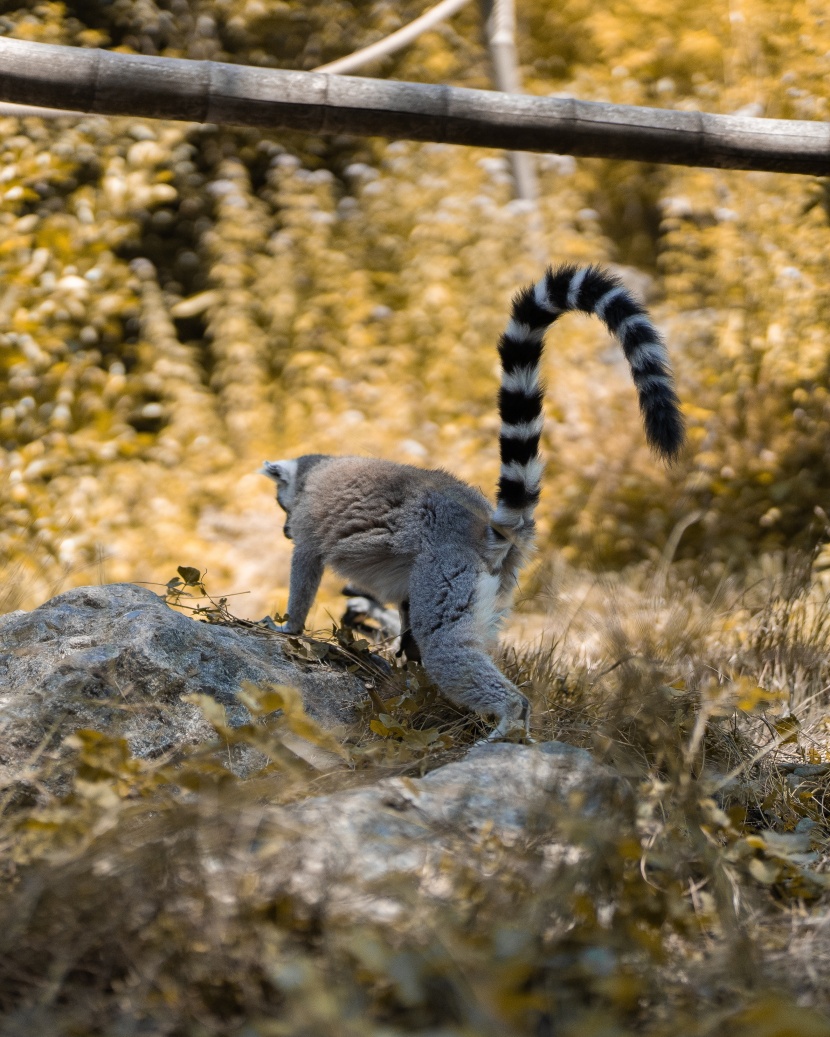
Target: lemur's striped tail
{"points": [[589, 290]]}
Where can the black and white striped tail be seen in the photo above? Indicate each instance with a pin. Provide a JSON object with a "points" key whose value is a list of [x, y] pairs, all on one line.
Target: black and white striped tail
{"points": [[589, 290]]}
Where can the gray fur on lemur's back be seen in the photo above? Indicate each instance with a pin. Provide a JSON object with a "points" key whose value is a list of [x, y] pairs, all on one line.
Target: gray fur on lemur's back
{"points": [[434, 545]]}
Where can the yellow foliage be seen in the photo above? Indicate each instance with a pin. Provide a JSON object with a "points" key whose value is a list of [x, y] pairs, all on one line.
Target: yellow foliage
{"points": [[181, 301]]}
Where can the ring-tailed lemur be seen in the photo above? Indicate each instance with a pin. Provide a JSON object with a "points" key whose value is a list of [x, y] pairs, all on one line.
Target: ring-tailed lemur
{"points": [[434, 545]]}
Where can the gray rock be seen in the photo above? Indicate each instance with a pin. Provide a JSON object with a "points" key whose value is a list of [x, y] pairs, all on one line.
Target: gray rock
{"points": [[348, 850], [514, 782], [118, 659], [812, 770]]}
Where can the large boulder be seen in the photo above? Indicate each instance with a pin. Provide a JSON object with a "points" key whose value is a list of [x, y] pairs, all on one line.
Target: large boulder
{"points": [[117, 658]]}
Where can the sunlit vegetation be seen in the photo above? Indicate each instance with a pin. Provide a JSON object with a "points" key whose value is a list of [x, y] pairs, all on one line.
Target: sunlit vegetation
{"points": [[179, 301]]}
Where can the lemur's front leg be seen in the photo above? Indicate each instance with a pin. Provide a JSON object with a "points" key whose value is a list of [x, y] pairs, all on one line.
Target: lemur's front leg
{"points": [[306, 573]]}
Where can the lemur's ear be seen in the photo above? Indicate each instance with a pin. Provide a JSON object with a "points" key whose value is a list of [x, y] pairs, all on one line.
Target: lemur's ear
{"points": [[276, 470]]}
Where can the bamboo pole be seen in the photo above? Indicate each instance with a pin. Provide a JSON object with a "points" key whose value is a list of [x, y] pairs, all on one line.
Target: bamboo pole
{"points": [[395, 41], [110, 83]]}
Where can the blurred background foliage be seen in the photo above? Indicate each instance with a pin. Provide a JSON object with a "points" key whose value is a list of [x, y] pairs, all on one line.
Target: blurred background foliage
{"points": [[179, 301]]}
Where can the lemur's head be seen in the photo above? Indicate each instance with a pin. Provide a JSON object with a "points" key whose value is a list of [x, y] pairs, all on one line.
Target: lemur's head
{"points": [[290, 477], [284, 474]]}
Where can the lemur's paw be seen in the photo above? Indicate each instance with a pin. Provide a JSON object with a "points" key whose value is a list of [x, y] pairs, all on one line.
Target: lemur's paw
{"points": [[282, 628], [518, 733], [514, 726]]}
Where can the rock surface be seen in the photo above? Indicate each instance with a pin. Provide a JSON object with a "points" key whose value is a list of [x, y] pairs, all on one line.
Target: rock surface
{"points": [[118, 659], [346, 847]]}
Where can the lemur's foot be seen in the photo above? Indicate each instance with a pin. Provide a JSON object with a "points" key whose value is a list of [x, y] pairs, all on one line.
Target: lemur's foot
{"points": [[514, 726], [513, 734], [282, 628]]}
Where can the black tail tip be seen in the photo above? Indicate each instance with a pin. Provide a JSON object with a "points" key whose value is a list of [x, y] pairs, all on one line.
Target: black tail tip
{"points": [[666, 433]]}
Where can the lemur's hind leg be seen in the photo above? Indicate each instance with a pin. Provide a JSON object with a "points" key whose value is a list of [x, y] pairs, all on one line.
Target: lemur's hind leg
{"points": [[447, 627], [409, 646]]}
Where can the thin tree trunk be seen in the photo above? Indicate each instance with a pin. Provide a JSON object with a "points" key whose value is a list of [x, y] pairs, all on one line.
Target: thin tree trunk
{"points": [[500, 26], [396, 40], [111, 83]]}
